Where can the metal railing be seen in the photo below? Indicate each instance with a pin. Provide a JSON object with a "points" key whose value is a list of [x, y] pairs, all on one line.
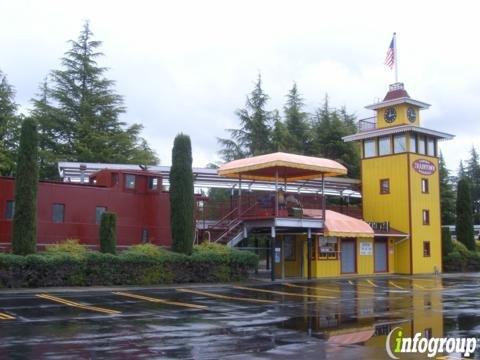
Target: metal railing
{"points": [[367, 124]]}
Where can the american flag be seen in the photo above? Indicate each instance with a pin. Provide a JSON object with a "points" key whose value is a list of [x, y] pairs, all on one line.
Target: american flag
{"points": [[390, 59]]}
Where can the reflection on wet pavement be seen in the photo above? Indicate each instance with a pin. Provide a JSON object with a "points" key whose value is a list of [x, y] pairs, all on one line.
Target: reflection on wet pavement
{"points": [[326, 319]]}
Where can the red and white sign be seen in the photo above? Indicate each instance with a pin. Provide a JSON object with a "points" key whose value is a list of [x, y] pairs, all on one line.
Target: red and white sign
{"points": [[424, 167]]}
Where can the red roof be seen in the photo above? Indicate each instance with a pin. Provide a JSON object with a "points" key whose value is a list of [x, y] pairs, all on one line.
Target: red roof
{"points": [[396, 94]]}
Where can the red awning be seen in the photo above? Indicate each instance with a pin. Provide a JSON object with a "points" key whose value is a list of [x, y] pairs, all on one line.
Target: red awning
{"points": [[351, 338], [340, 225]]}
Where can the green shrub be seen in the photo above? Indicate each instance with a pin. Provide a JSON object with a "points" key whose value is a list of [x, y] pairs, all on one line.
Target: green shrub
{"points": [[108, 233], [69, 246], [146, 249], [447, 246], [134, 267]]}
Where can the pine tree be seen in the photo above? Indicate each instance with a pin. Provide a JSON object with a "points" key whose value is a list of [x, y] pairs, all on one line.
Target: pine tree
{"points": [[296, 123], [464, 222], [181, 195], [473, 174], [447, 194], [280, 135], [79, 113], [329, 126], [253, 137], [25, 217], [9, 127], [462, 173]]}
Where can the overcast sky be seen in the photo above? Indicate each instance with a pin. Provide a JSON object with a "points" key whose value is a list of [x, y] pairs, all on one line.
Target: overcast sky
{"points": [[185, 66]]}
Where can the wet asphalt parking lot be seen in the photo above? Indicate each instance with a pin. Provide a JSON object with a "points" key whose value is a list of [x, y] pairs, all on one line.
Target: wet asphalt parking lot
{"points": [[324, 319]]}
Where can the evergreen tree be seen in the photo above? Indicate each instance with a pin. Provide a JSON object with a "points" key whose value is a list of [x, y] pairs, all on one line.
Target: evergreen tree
{"points": [[25, 217], [447, 194], [447, 244], [253, 137], [280, 135], [462, 173], [181, 195], [296, 123], [108, 233], [473, 174], [329, 126], [79, 113], [464, 222], [9, 127]]}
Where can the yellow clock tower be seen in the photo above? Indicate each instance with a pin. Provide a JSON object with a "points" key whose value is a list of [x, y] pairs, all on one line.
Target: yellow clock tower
{"points": [[400, 182]]}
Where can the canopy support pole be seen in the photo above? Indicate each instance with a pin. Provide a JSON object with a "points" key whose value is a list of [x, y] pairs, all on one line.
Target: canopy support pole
{"points": [[309, 253], [239, 195], [272, 253], [276, 192], [324, 204]]}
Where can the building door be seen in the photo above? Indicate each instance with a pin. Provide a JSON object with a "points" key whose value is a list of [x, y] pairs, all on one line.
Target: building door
{"points": [[348, 256], [381, 255]]}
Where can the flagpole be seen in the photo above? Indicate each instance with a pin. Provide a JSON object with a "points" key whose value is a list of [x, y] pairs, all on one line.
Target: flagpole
{"points": [[396, 56]]}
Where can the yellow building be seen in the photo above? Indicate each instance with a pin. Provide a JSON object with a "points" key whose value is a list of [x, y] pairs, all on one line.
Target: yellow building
{"points": [[400, 181]]}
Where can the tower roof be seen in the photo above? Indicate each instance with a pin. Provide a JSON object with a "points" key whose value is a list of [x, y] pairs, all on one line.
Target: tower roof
{"points": [[397, 95]]}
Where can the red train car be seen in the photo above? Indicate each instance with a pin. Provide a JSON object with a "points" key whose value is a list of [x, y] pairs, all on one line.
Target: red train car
{"points": [[73, 211]]}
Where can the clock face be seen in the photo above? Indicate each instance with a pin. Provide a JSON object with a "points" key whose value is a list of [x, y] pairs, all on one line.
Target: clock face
{"points": [[411, 114], [390, 115]]}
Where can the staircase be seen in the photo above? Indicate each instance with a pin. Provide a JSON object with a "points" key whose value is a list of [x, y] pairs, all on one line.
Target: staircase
{"points": [[229, 229]]}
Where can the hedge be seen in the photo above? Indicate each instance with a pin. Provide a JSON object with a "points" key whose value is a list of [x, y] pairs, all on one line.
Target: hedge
{"points": [[128, 268]]}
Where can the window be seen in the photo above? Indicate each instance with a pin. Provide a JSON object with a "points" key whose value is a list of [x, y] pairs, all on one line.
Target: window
{"points": [[428, 333], [399, 143], [384, 186], [10, 209], [430, 147], [99, 210], [289, 247], [114, 179], [425, 186], [426, 217], [152, 183], [144, 236], [370, 148], [58, 213], [129, 181], [413, 143], [327, 248], [421, 145], [426, 249], [384, 146]]}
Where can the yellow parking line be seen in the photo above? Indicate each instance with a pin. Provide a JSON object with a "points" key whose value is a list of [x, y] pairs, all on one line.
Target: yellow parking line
{"points": [[331, 290], [4, 316], [371, 283], [283, 293], [351, 282], [219, 296], [77, 305], [161, 301], [419, 286], [397, 286]]}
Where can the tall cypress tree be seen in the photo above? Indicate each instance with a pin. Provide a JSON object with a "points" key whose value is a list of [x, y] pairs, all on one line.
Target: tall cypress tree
{"points": [[447, 194], [464, 223], [9, 127], [25, 217], [181, 195]]}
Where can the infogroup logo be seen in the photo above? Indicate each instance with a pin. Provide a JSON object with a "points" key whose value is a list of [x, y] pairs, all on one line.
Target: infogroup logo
{"points": [[396, 344]]}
